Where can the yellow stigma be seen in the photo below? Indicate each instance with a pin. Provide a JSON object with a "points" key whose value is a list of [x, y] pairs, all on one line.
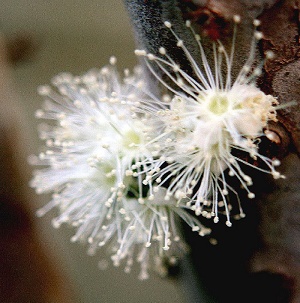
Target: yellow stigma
{"points": [[131, 139], [218, 104]]}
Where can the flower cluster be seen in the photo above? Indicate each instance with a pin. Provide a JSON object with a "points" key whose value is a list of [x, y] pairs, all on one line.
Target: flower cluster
{"points": [[211, 117], [123, 165], [96, 144]]}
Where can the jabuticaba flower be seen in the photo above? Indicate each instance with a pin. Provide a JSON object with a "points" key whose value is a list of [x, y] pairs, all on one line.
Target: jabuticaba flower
{"points": [[96, 144], [210, 117], [124, 165], [151, 231]]}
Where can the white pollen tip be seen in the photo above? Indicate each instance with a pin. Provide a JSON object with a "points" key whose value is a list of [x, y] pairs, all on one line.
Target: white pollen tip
{"points": [[55, 224], [112, 60], [258, 35], [39, 113], [140, 52], [237, 18], [141, 201], [195, 228], [276, 174], [221, 49], [188, 23], [168, 24], [162, 50], [176, 69], [256, 22], [257, 72], [225, 192], [251, 195], [73, 239], [270, 55], [44, 90], [151, 56], [180, 43], [228, 223], [242, 215]]}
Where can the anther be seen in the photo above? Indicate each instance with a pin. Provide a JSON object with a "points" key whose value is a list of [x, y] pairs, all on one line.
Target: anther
{"points": [[276, 162], [39, 113], [168, 24], [256, 22], [257, 72], [251, 195], [112, 60], [151, 56], [228, 223], [258, 35], [276, 174], [162, 50], [270, 55], [180, 43], [44, 90], [225, 192], [237, 18], [195, 228], [140, 52]]}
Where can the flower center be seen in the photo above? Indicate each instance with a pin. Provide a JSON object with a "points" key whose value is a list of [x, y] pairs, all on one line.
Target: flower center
{"points": [[131, 139], [218, 104]]}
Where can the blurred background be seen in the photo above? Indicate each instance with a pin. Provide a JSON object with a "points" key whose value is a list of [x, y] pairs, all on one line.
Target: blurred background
{"points": [[38, 263]]}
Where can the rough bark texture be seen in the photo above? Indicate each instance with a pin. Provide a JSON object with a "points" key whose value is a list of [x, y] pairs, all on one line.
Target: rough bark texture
{"points": [[258, 260]]}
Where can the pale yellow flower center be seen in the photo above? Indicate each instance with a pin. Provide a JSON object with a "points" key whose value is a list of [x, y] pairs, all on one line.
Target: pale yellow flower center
{"points": [[131, 139], [218, 104]]}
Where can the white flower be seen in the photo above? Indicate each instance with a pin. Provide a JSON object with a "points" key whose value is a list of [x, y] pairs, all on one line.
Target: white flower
{"points": [[150, 232], [95, 134], [97, 145], [211, 117]]}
